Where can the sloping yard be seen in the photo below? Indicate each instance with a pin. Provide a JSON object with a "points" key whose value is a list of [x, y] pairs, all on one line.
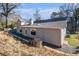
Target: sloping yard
{"points": [[10, 46]]}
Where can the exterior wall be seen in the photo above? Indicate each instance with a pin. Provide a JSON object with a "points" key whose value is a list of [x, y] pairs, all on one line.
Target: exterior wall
{"points": [[63, 34], [49, 35]]}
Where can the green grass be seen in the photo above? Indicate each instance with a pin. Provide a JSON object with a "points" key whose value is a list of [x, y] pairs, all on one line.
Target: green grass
{"points": [[73, 41]]}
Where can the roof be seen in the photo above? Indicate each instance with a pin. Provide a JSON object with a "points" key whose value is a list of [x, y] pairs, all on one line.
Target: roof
{"points": [[51, 20]]}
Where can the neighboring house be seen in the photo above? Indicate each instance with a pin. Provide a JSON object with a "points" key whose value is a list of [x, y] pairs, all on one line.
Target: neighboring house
{"points": [[52, 31]]}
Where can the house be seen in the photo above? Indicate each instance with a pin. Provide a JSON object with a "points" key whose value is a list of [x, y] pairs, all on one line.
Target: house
{"points": [[52, 31]]}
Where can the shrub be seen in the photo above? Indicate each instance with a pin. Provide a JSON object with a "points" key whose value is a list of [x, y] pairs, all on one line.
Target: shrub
{"points": [[77, 47], [36, 42], [11, 26], [77, 37], [67, 36]]}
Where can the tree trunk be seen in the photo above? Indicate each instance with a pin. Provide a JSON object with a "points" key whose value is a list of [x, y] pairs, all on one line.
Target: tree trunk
{"points": [[6, 22]]}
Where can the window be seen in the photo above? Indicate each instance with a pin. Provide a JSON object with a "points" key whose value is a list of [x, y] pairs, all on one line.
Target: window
{"points": [[20, 30], [33, 32], [25, 31]]}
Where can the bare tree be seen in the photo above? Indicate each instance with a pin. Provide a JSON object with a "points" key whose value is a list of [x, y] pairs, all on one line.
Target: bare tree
{"points": [[6, 9], [66, 9], [71, 11], [1, 22], [53, 15], [37, 15], [56, 14]]}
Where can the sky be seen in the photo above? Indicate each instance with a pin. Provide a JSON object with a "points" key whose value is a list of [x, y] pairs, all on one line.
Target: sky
{"points": [[27, 10]]}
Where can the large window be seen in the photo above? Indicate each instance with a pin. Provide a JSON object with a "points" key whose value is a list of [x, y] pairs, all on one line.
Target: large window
{"points": [[33, 32]]}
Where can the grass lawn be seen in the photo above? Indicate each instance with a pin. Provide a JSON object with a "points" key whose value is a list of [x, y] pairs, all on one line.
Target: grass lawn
{"points": [[73, 41]]}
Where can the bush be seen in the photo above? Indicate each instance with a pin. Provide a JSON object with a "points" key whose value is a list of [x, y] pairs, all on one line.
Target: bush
{"points": [[67, 36], [1, 29], [77, 47], [11, 26], [36, 42]]}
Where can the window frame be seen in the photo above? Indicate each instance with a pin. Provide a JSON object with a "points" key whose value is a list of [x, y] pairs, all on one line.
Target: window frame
{"points": [[33, 32]]}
